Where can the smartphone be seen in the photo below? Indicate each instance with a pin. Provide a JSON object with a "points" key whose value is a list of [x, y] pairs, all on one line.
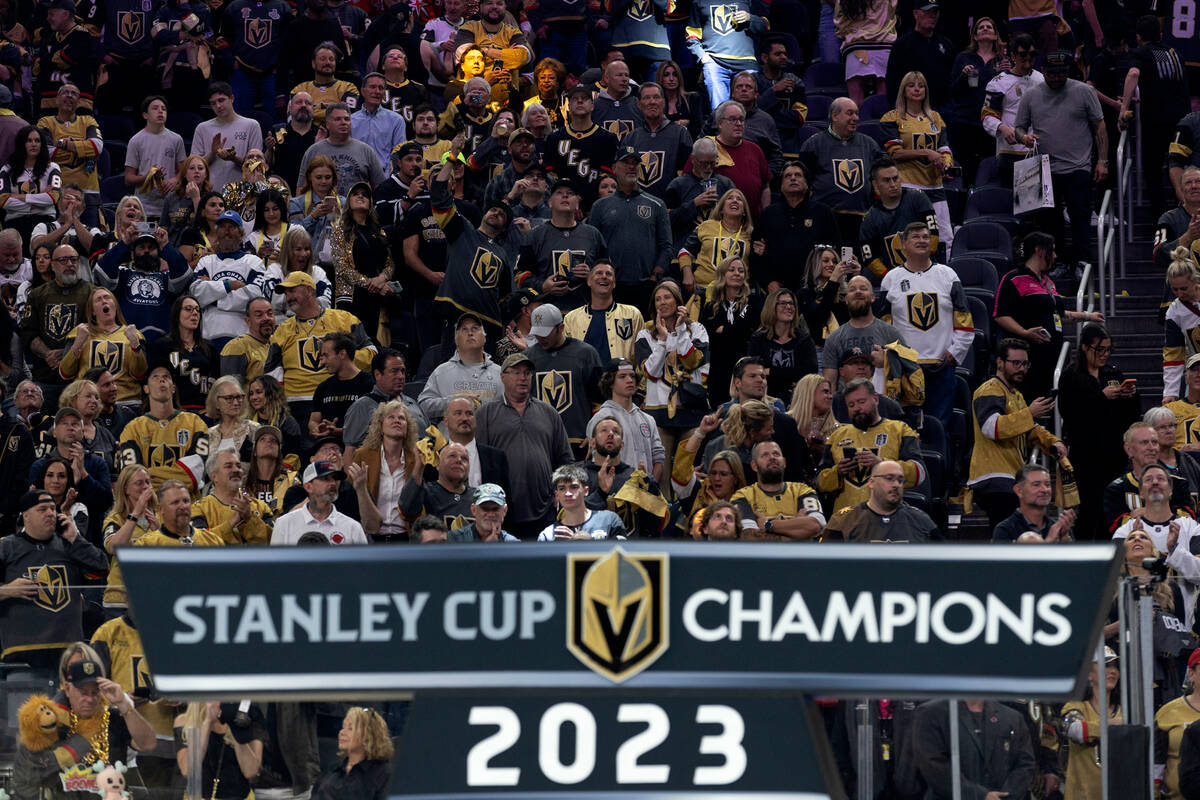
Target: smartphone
{"points": [[1052, 394], [1129, 383], [847, 253], [396, 286], [849, 452], [144, 227], [954, 171], [60, 526]]}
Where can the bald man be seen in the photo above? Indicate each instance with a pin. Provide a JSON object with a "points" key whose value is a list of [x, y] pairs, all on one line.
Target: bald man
{"points": [[841, 159], [449, 497], [883, 516]]}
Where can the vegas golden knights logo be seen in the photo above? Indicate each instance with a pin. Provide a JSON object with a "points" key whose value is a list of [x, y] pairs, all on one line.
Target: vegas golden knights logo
{"points": [[895, 251], [164, 455], [923, 141], [131, 26], [257, 32], [142, 678], [53, 593], [721, 18], [618, 127], [554, 387], [564, 260], [107, 355], [650, 169], [724, 247], [848, 174], [308, 355], [485, 269], [639, 10], [455, 521], [617, 611], [60, 319], [923, 310], [623, 328]]}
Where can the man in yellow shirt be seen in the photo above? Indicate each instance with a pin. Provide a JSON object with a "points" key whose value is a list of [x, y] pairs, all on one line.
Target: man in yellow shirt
{"points": [[228, 510]]}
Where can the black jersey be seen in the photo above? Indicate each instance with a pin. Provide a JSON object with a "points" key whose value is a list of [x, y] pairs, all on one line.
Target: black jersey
{"points": [[583, 157]]}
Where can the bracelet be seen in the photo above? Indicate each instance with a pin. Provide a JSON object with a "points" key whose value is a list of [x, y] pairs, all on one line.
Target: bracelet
{"points": [[130, 518]]}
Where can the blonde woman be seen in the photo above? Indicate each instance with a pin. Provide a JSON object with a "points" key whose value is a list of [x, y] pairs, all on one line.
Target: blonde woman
{"points": [[745, 425], [823, 291], [389, 454], [218, 748], [227, 405], [295, 255], [318, 205], [724, 477], [917, 140], [84, 396], [812, 408], [732, 314], [1182, 322], [365, 768], [783, 343], [725, 234], [105, 340], [133, 515]]}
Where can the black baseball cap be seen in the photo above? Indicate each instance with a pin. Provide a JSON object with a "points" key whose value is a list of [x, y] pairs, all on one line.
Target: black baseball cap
{"points": [[406, 149], [84, 672], [624, 152], [518, 301], [577, 89], [565, 183], [324, 440], [854, 354], [1058, 62], [467, 317], [34, 497]]}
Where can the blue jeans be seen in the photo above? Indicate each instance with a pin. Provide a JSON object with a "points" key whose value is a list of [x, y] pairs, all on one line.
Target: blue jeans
{"points": [[940, 383], [716, 80], [566, 43], [250, 88]]}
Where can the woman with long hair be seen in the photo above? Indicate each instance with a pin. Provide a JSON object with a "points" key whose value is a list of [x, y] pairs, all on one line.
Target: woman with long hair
{"points": [[227, 406], [724, 477], [1081, 723], [917, 140], [317, 205], [389, 454], [193, 362], [725, 234], [1182, 323], [683, 107], [745, 425], [365, 768], [730, 317], [268, 227], [783, 343], [1097, 406], [867, 30], [128, 214], [672, 352], [536, 119], [296, 255], [823, 291], [227, 763], [106, 340], [181, 205], [973, 69], [268, 406], [132, 516], [84, 396], [29, 183], [198, 240], [42, 272], [362, 260], [812, 408], [56, 476], [268, 476]]}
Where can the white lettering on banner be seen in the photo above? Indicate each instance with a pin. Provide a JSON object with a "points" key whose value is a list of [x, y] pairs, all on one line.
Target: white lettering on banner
{"points": [[535, 606], [312, 618], [877, 618]]}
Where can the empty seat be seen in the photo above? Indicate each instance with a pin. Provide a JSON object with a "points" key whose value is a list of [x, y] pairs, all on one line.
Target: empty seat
{"points": [[818, 107], [825, 78], [988, 173], [975, 272], [116, 127], [113, 188], [874, 130], [184, 123], [985, 239], [993, 204], [875, 106]]}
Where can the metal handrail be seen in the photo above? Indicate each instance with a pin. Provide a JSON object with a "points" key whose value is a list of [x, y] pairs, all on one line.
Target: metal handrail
{"points": [[1085, 289], [1106, 226]]}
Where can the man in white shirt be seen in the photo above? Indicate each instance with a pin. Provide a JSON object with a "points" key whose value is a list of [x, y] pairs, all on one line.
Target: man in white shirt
{"points": [[321, 482], [154, 146]]}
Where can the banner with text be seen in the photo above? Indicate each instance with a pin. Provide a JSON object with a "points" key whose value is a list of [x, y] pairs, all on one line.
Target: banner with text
{"points": [[894, 620]]}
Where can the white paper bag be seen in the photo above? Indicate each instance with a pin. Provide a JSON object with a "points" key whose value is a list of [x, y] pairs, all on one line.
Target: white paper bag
{"points": [[1032, 188]]}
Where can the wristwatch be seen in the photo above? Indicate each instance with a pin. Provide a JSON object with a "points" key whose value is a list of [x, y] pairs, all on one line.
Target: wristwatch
{"points": [[767, 526]]}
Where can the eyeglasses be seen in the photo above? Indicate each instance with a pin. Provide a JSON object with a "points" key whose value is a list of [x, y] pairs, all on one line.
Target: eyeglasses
{"points": [[1100, 351], [66, 260], [235, 397], [712, 473], [785, 302], [1017, 364]]}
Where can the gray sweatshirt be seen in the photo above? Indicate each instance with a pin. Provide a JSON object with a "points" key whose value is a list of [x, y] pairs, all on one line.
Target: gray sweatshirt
{"points": [[641, 445]]}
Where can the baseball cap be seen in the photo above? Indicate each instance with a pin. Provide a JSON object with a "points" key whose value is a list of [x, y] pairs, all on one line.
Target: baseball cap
{"points": [[1058, 61], [625, 152], [82, 672], [1192, 361], [465, 317], [68, 411], [268, 430], [145, 235], [500, 204], [928, 5], [324, 440], [490, 493], [229, 215], [34, 497], [62, 5], [322, 469], [363, 184], [618, 364], [1193, 659], [564, 183], [407, 149], [1111, 656], [517, 358], [294, 279], [545, 318], [853, 354], [517, 134], [579, 88], [518, 301]]}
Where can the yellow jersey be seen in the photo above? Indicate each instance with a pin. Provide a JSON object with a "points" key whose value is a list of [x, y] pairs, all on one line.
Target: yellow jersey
{"points": [[117, 355], [175, 447], [293, 354]]}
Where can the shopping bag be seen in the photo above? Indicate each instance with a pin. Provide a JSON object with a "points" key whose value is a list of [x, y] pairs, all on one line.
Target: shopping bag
{"points": [[1032, 188]]}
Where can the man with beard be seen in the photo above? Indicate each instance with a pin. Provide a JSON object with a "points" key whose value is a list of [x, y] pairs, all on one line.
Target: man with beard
{"points": [[1005, 431], [773, 509], [133, 271], [51, 314], [883, 516], [228, 510], [246, 354], [522, 150], [722, 522], [285, 147], [324, 88], [852, 451], [630, 492], [1166, 524], [1034, 488], [424, 131], [322, 480], [499, 40], [404, 188], [449, 497], [226, 281], [863, 332], [301, 38]]}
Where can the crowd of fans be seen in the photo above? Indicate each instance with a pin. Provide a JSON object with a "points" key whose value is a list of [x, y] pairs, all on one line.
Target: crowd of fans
{"points": [[379, 273]]}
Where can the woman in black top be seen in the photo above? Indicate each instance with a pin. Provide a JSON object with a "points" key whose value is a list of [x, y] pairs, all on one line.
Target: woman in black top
{"points": [[231, 755], [783, 343], [198, 240], [974, 67], [193, 364], [365, 767], [730, 318], [362, 259], [1096, 410], [823, 291], [683, 107]]}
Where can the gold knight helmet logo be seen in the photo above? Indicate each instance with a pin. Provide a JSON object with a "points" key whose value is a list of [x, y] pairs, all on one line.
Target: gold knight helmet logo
{"points": [[617, 611], [849, 174]]}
